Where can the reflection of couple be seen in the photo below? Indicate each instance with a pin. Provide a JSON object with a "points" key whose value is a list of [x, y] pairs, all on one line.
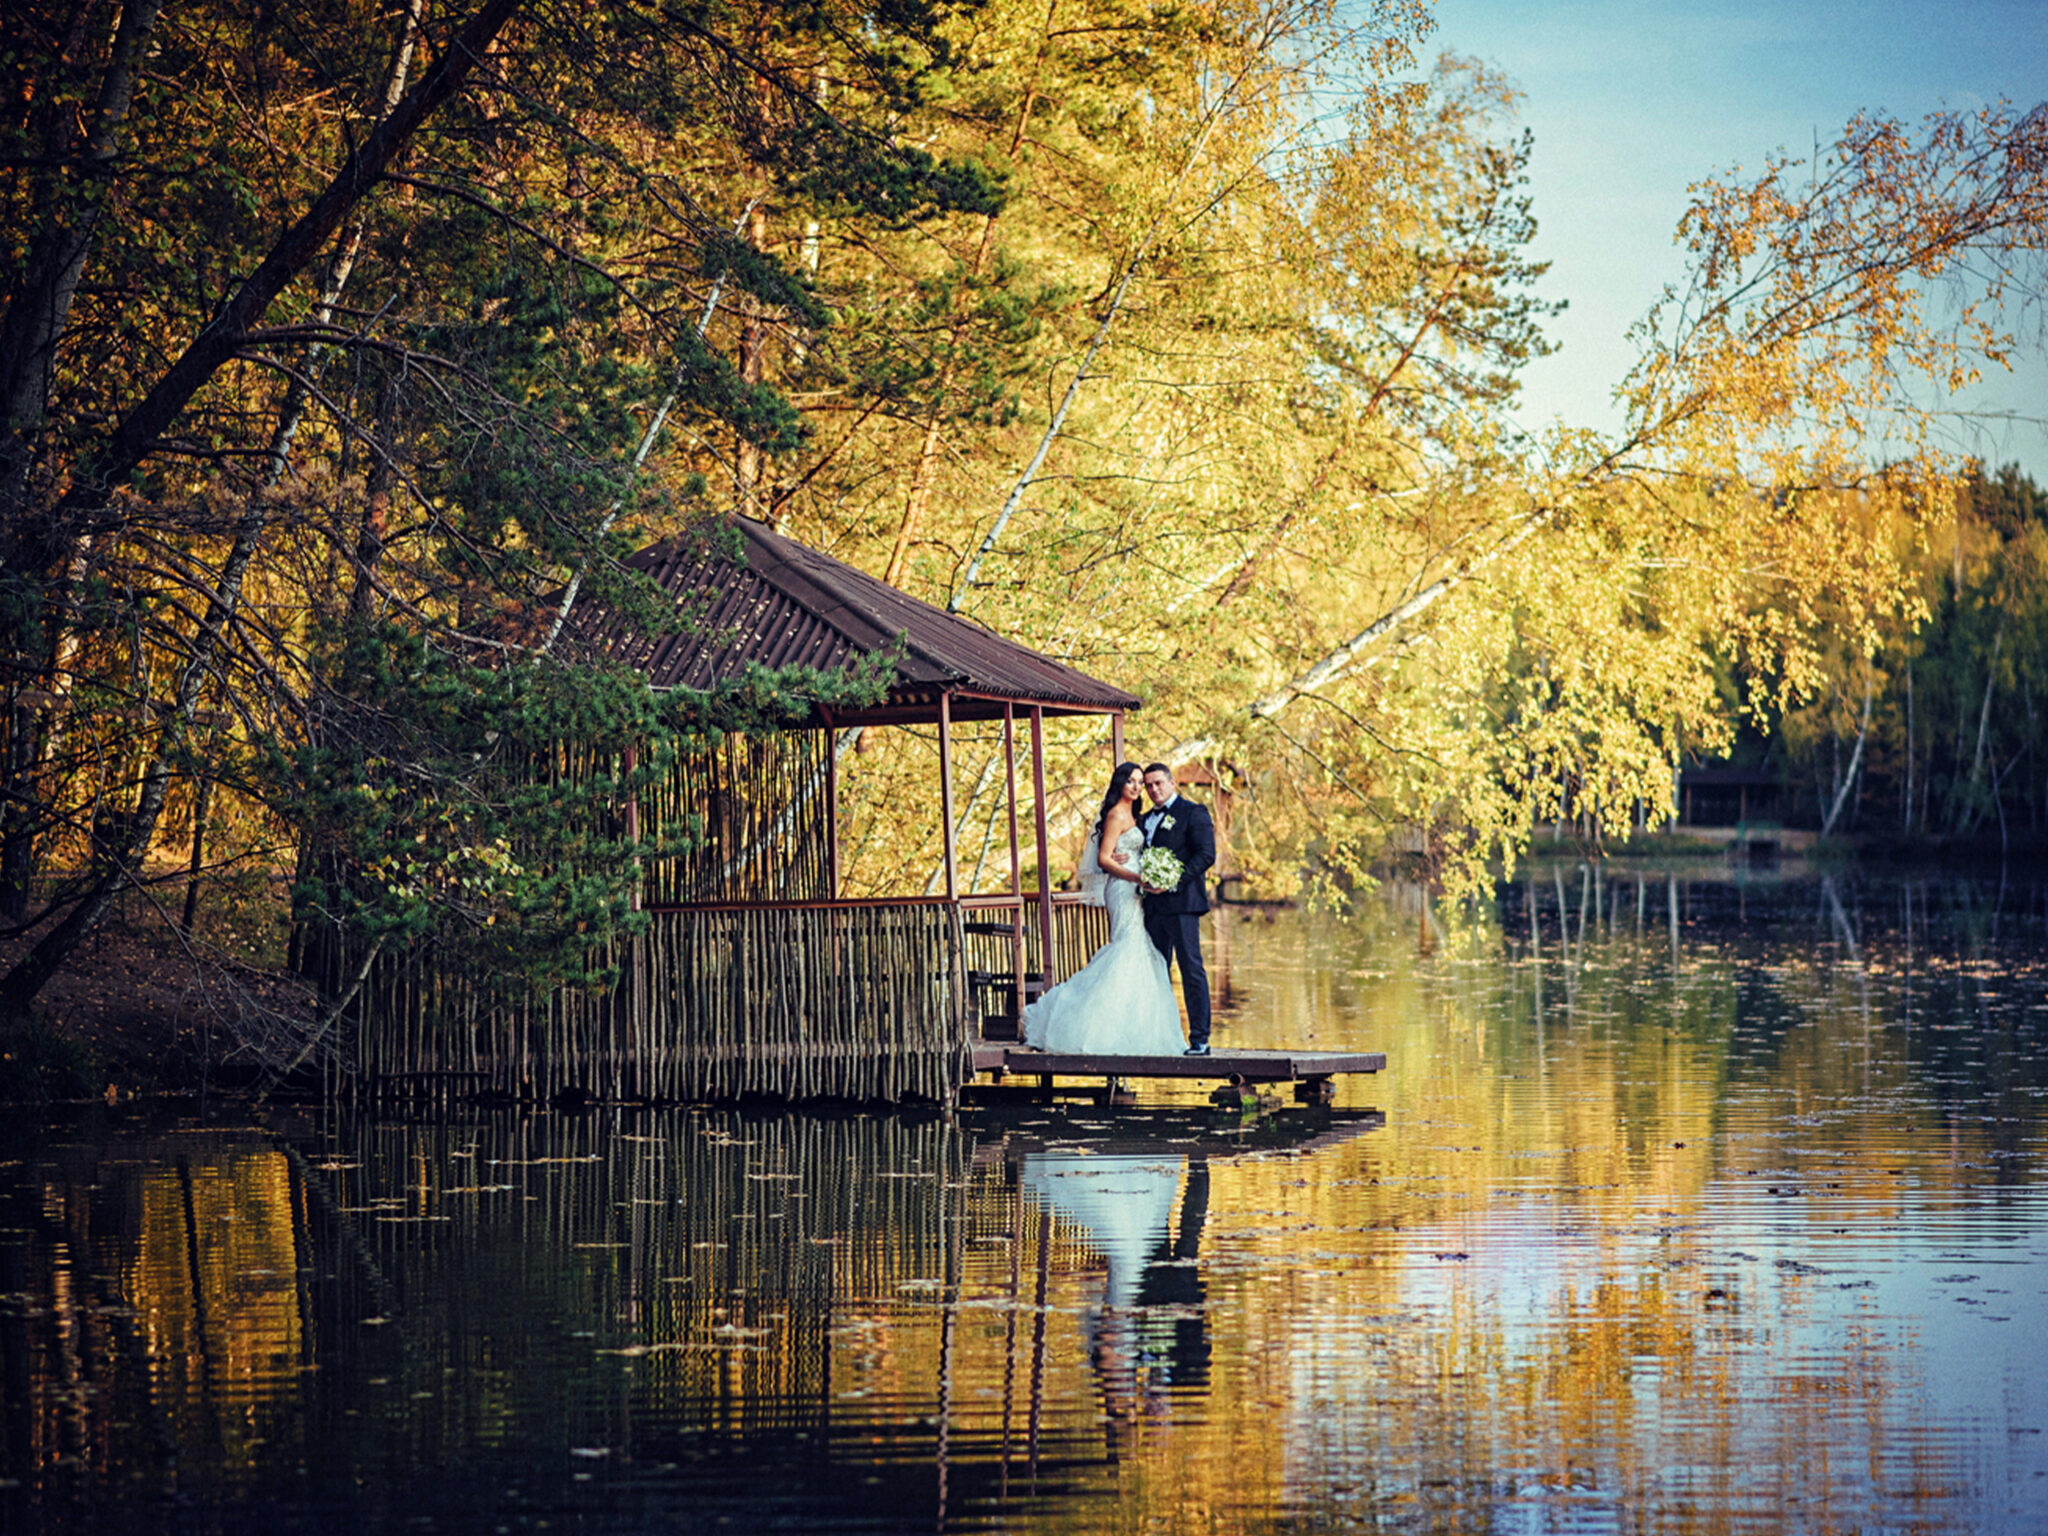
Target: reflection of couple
{"points": [[1121, 1002], [1148, 1335]]}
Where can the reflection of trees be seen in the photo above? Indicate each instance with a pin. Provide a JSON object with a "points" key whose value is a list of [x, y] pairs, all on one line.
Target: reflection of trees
{"points": [[1568, 1323], [152, 1312], [708, 1252], [375, 1295], [1518, 1290]]}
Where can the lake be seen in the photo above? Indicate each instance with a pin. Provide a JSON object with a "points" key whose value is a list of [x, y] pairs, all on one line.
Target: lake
{"points": [[1685, 1204]]}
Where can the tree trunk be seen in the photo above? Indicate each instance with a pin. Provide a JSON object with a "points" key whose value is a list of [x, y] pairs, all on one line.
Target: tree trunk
{"points": [[339, 271], [919, 499], [748, 460], [1907, 824], [376, 518], [647, 441], [138, 432], [38, 310], [116, 862], [202, 797], [1966, 806], [1855, 763], [1189, 160], [36, 313], [920, 496], [1345, 656]]}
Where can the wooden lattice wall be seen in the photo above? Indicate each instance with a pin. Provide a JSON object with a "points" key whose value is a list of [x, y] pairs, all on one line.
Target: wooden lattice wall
{"points": [[754, 810], [748, 979]]}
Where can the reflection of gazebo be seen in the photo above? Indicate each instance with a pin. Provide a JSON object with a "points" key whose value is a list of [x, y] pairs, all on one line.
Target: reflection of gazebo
{"points": [[756, 974]]}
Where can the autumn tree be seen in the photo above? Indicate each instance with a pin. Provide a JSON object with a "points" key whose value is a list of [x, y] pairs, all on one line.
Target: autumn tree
{"points": [[1178, 341], [309, 342], [1558, 656]]}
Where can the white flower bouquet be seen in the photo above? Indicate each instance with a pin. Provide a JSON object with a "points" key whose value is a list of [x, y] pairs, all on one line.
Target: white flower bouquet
{"points": [[1160, 868]]}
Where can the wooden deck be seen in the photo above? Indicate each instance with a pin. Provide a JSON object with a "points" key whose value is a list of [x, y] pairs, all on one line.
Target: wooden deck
{"points": [[1219, 1066], [1001, 1134]]}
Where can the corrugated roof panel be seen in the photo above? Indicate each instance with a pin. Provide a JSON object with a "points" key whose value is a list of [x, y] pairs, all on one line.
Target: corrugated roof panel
{"points": [[790, 605]]}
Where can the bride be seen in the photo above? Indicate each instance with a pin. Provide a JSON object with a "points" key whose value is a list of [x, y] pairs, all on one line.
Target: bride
{"points": [[1121, 1002]]}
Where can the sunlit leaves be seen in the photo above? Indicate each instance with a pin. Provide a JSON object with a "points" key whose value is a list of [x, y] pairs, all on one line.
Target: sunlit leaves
{"points": [[1560, 643]]}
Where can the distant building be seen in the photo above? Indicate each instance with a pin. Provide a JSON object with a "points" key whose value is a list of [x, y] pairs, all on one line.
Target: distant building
{"points": [[1729, 797]]}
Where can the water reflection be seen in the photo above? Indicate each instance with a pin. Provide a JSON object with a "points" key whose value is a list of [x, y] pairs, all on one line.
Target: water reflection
{"points": [[1121, 1207], [1147, 1332], [1745, 1236]]}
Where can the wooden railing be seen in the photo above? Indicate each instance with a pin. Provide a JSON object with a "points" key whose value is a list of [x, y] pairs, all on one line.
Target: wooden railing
{"points": [[1078, 930], [864, 999], [852, 999]]}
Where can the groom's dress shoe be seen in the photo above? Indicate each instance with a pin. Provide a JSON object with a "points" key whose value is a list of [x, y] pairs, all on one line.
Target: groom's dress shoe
{"points": [[1196, 1050]]}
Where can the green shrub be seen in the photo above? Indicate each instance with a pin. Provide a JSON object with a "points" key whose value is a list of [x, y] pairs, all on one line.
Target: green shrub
{"points": [[38, 1064]]}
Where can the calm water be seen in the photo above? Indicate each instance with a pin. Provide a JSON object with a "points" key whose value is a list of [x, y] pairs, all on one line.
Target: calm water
{"points": [[1729, 1224]]}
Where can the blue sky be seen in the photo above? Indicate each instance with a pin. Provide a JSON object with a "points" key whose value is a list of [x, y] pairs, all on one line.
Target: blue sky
{"points": [[1632, 100]]}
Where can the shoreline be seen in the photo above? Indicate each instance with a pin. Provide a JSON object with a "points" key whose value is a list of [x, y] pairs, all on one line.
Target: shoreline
{"points": [[143, 1014], [1758, 845]]}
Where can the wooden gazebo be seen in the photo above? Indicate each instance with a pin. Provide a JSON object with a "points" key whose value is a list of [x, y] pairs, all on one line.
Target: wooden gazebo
{"points": [[755, 973]]}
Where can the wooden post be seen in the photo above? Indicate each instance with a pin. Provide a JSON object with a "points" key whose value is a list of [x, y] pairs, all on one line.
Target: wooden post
{"points": [[946, 792], [633, 821], [1044, 844], [831, 812], [1116, 738], [1034, 1416], [636, 953], [1016, 863]]}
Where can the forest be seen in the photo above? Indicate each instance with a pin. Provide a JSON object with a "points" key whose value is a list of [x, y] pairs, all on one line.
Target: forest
{"points": [[1935, 737], [346, 347]]}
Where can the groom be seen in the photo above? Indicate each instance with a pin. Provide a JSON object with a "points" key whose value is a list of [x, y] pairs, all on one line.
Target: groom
{"points": [[1174, 918]]}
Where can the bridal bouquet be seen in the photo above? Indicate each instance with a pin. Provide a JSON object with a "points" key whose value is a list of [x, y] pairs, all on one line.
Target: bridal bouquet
{"points": [[1160, 869]]}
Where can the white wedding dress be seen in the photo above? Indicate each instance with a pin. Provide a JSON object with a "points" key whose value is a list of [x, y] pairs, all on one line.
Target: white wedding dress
{"points": [[1121, 1003], [1122, 1207]]}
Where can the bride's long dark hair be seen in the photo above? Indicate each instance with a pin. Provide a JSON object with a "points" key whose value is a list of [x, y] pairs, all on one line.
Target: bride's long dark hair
{"points": [[1115, 792]]}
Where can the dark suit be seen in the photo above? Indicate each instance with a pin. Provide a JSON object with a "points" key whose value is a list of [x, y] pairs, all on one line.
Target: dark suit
{"points": [[1174, 919], [1173, 1279]]}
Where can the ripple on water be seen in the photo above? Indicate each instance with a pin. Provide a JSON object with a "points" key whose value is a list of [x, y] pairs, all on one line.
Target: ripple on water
{"points": [[1753, 1241]]}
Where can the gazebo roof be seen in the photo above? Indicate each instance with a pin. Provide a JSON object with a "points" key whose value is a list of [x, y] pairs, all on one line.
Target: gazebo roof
{"points": [[784, 604]]}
